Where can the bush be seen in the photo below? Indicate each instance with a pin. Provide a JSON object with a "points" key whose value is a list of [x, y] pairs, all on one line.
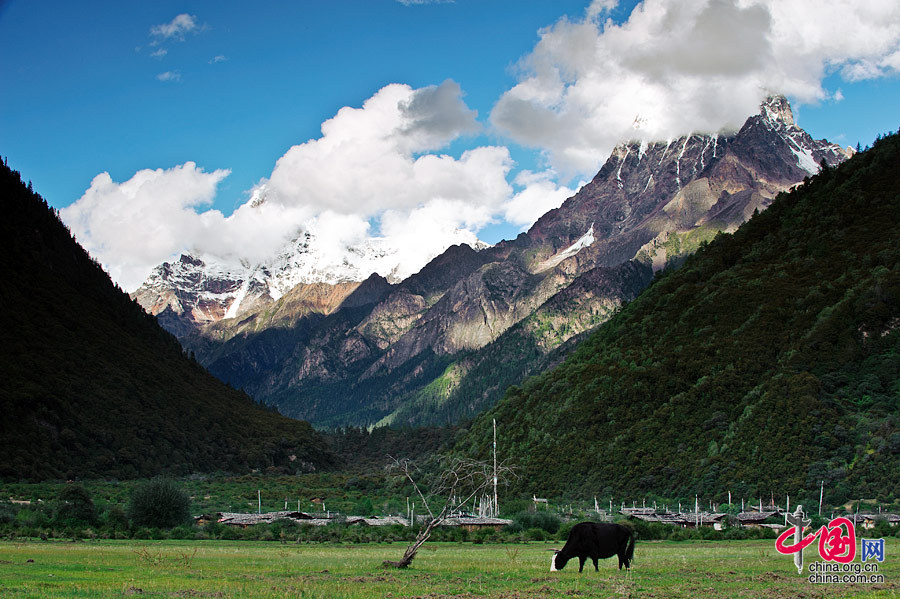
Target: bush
{"points": [[115, 518], [75, 506], [159, 503], [564, 529], [32, 517], [284, 529], [7, 513], [536, 534], [183, 532], [213, 530], [544, 520], [680, 534]]}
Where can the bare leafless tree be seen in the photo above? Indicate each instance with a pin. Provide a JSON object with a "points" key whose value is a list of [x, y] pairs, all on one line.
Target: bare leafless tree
{"points": [[446, 486]]}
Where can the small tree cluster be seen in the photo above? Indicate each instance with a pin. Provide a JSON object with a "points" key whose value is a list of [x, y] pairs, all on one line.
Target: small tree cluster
{"points": [[159, 503]]}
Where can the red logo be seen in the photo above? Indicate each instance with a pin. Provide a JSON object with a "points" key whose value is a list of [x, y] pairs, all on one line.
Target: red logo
{"points": [[837, 541]]}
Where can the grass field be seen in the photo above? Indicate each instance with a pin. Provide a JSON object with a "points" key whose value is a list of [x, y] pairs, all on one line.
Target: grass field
{"points": [[255, 569]]}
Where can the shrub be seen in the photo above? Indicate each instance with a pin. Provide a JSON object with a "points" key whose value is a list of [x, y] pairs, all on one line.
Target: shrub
{"points": [[115, 518], [564, 529], [544, 520], [7, 513], [183, 532], [33, 517], [159, 503], [213, 529], [284, 528], [74, 506], [536, 534]]}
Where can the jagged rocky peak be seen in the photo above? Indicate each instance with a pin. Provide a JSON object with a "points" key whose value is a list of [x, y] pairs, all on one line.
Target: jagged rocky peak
{"points": [[769, 153], [777, 108], [200, 290]]}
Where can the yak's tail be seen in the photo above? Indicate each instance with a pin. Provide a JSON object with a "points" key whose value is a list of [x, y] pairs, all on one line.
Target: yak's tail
{"points": [[629, 551]]}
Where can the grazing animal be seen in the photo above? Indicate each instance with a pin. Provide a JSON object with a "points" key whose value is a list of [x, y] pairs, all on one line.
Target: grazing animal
{"points": [[595, 541]]}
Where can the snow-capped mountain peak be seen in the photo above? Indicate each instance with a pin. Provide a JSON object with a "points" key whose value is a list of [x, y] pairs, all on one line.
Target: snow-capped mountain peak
{"points": [[196, 290], [777, 109]]}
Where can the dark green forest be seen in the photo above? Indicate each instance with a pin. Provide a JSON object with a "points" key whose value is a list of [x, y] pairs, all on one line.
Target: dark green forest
{"points": [[91, 386], [768, 363]]}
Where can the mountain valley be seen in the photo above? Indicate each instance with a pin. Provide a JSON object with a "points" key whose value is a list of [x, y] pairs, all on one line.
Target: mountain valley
{"points": [[427, 349]]}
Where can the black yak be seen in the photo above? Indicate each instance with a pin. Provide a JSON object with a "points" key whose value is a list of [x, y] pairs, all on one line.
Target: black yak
{"points": [[595, 541]]}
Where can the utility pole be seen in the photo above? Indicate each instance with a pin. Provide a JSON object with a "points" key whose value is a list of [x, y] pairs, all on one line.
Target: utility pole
{"points": [[697, 511], [259, 501], [821, 495], [496, 510], [787, 510]]}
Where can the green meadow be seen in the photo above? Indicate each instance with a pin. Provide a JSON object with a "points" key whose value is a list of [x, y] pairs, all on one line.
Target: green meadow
{"points": [[51, 569]]}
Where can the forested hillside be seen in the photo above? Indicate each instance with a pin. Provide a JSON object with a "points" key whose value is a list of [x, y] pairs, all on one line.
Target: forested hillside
{"points": [[92, 386], [768, 363], [444, 343]]}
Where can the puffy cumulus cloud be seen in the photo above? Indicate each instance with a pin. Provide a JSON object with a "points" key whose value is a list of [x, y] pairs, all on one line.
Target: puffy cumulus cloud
{"points": [[365, 161], [417, 235], [538, 194], [677, 66], [133, 226], [377, 162], [373, 165], [129, 226]]}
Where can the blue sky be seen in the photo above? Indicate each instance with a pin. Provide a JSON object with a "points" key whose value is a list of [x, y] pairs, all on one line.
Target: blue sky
{"points": [[80, 98], [200, 104]]}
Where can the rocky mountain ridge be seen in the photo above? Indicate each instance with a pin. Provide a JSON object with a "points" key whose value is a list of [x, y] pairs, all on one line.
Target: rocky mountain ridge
{"points": [[766, 363], [651, 204], [197, 291]]}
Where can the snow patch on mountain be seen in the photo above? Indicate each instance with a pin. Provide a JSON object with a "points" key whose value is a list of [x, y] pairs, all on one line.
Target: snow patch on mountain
{"points": [[778, 116], [582, 242], [208, 288]]}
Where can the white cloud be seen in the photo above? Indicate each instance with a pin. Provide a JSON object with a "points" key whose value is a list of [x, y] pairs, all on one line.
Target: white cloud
{"points": [[176, 28], [375, 164], [367, 158], [685, 65], [539, 194], [129, 226], [599, 7], [169, 76], [218, 58], [159, 53]]}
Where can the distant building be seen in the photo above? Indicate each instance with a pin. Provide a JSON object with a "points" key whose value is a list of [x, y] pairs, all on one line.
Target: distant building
{"points": [[466, 521], [754, 519]]}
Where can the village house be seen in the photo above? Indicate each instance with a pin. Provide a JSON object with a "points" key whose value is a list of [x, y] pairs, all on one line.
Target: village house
{"points": [[470, 523], [685, 519], [756, 519]]}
